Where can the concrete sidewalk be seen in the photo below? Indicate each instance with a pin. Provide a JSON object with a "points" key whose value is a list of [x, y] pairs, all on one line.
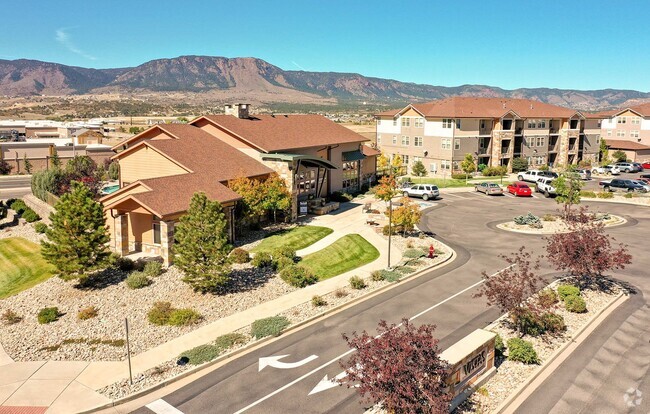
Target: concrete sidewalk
{"points": [[69, 386]]}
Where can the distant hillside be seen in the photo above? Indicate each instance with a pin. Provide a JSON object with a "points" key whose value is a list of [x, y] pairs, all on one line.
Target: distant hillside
{"points": [[248, 78]]}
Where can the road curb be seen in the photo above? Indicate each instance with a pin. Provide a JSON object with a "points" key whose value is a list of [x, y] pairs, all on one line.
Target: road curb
{"points": [[258, 343], [507, 405]]}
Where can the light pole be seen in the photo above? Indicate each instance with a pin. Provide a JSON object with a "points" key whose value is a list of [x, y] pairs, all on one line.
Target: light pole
{"points": [[390, 226]]}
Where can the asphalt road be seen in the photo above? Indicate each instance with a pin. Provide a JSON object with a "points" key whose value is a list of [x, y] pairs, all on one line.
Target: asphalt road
{"points": [[15, 186], [443, 297]]}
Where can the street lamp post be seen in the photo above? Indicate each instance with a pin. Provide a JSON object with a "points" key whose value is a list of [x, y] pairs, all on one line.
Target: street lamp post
{"points": [[390, 226]]}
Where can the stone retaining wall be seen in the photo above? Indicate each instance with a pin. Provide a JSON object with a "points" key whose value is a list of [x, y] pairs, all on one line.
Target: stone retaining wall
{"points": [[40, 207]]}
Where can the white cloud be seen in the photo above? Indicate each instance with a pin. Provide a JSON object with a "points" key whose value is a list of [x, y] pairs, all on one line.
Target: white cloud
{"points": [[63, 37]]}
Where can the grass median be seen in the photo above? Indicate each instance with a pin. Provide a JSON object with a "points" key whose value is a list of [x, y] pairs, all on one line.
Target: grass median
{"points": [[347, 253]]}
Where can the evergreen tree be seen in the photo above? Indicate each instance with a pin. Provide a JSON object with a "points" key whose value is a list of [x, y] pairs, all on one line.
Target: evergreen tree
{"points": [[604, 152], [77, 238], [202, 245], [114, 170], [418, 169], [55, 160], [27, 164]]}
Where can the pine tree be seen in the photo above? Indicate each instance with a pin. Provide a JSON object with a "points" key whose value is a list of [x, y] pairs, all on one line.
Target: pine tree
{"points": [[202, 245], [54, 159], [418, 169], [77, 238], [27, 164]]}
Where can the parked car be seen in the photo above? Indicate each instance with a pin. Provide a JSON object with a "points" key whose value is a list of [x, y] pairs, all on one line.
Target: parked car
{"points": [[489, 188], [425, 191], [519, 188], [628, 167], [645, 180], [606, 170], [584, 174], [618, 184], [545, 186], [646, 165], [639, 166], [645, 184], [533, 175]]}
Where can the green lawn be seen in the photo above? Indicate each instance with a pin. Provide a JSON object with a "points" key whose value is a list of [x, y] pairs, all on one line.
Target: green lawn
{"points": [[22, 266], [347, 253], [297, 238]]}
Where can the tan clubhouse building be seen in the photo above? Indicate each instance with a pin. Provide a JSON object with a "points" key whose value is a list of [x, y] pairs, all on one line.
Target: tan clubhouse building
{"points": [[493, 130], [162, 167]]}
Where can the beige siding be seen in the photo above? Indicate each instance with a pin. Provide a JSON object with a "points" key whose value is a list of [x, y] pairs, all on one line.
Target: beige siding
{"points": [[146, 163]]}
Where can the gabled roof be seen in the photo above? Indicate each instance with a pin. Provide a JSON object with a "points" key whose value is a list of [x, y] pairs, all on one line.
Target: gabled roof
{"points": [[276, 133], [624, 144], [369, 151], [471, 107]]}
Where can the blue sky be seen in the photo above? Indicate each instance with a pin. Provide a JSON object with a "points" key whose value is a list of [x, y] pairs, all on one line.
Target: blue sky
{"points": [[590, 44]]}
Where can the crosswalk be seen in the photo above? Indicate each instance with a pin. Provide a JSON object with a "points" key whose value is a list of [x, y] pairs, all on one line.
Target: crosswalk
{"points": [[163, 407]]}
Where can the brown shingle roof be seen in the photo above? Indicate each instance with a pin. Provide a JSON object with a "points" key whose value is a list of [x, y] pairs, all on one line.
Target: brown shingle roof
{"points": [[206, 154], [470, 107], [369, 151], [643, 109], [273, 133], [624, 144]]}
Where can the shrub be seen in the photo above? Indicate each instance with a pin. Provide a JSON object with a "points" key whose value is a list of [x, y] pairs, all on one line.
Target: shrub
{"points": [[414, 253], [391, 275], [183, 317], [152, 269], [605, 194], [528, 220], [481, 167], [282, 263], [30, 215], [40, 227], [340, 197], [48, 315], [553, 323], [409, 244], [18, 206], [227, 341], [201, 354], [499, 346], [547, 298], [272, 326], [124, 264], [459, 176], [575, 304], [10, 317], [284, 251], [239, 255], [10, 202], [565, 291], [522, 351], [530, 324], [298, 276], [262, 259], [395, 230], [137, 280], [405, 270], [588, 194], [340, 293], [494, 171], [317, 301], [357, 283], [629, 195], [160, 313], [549, 217], [87, 313], [376, 276]]}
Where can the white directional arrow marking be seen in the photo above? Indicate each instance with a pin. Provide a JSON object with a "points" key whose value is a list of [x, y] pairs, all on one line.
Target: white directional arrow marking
{"points": [[326, 383], [274, 361]]}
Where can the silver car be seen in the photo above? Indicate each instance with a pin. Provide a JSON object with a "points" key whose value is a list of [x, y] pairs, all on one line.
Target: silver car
{"points": [[645, 185], [425, 191], [489, 188]]}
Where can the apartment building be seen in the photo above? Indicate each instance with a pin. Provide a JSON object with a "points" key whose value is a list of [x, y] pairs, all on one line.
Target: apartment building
{"points": [[627, 124], [493, 130]]}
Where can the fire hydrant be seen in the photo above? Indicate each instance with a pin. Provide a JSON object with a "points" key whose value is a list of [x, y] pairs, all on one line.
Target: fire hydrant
{"points": [[431, 251]]}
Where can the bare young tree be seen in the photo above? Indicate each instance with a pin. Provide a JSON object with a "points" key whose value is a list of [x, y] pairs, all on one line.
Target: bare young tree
{"points": [[400, 369]]}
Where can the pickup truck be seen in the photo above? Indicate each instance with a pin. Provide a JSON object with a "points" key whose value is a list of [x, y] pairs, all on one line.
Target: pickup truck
{"points": [[545, 186], [533, 175], [618, 184]]}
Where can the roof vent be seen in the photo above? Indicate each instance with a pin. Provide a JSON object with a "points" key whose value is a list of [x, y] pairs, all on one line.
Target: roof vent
{"points": [[531, 106], [504, 105]]}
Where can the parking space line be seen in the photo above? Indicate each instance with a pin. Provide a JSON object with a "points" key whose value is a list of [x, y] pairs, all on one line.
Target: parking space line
{"points": [[163, 407]]}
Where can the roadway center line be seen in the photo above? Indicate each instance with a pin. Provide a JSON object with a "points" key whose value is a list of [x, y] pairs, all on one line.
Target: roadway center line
{"points": [[297, 380]]}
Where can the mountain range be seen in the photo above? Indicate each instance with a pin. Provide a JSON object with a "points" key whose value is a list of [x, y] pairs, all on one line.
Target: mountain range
{"points": [[254, 79]]}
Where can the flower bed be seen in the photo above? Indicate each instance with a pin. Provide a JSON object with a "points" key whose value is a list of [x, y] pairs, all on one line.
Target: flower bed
{"points": [[556, 225]]}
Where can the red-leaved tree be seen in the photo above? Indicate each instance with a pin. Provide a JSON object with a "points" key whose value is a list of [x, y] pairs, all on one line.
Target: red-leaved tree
{"points": [[510, 288], [586, 251], [400, 369]]}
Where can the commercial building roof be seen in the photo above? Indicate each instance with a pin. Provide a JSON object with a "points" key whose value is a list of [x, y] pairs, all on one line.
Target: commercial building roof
{"points": [[623, 144]]}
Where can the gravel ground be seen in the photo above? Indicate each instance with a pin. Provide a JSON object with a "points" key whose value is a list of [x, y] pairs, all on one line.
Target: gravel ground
{"points": [[13, 226], [556, 226], [510, 375]]}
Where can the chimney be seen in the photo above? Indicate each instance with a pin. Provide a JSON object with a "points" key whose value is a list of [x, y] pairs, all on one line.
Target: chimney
{"points": [[239, 110]]}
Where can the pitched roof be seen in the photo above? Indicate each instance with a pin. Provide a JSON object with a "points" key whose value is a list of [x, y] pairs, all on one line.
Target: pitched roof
{"points": [[624, 144], [642, 109], [369, 151], [272, 133], [471, 107]]}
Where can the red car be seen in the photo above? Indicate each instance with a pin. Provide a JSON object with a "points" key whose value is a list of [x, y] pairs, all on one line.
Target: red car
{"points": [[520, 189], [646, 165]]}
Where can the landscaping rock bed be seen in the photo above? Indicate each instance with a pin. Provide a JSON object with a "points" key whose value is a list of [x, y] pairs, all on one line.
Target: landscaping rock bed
{"points": [[556, 225], [12, 226], [510, 374]]}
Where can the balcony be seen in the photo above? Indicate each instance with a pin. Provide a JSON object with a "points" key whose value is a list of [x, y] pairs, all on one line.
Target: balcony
{"points": [[485, 131]]}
